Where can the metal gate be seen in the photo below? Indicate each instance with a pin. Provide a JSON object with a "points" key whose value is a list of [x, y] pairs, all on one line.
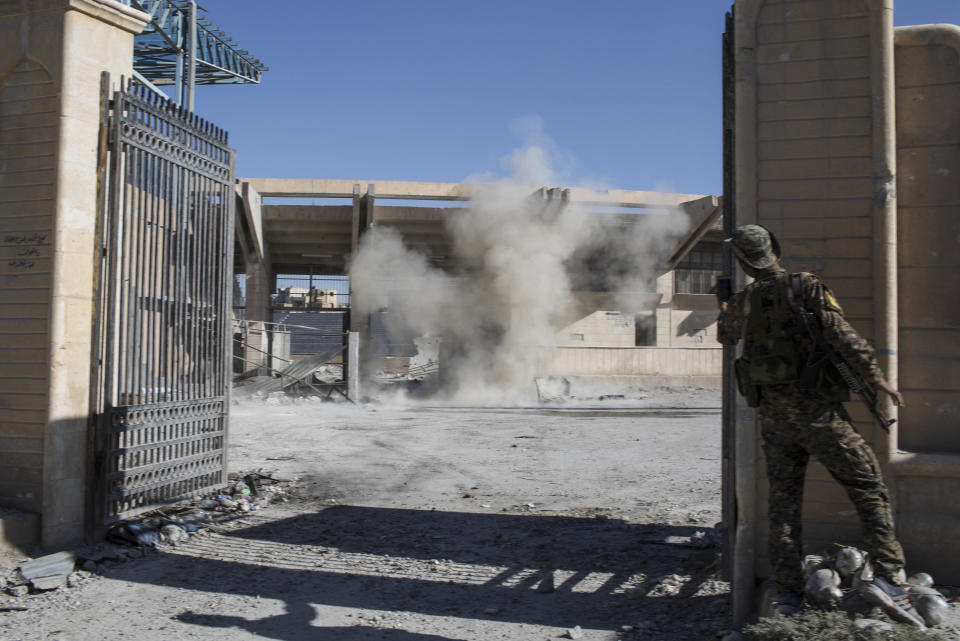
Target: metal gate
{"points": [[165, 285]]}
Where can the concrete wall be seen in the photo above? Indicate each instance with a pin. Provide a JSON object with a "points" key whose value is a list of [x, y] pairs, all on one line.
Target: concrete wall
{"points": [[50, 66], [814, 163], [679, 363], [870, 203], [928, 244]]}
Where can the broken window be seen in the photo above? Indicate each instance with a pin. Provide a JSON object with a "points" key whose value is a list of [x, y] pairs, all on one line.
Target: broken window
{"points": [[697, 273], [646, 330]]}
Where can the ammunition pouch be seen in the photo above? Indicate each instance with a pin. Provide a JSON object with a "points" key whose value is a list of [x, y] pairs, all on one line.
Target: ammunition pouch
{"points": [[822, 377], [746, 387]]}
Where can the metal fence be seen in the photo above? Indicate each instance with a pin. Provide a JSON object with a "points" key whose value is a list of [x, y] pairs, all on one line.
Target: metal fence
{"points": [[165, 287]]}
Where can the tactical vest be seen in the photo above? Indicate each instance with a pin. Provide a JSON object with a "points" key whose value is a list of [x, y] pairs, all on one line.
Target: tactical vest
{"points": [[778, 351]]}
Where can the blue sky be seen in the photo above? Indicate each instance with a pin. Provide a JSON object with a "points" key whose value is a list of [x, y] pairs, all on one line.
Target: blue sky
{"points": [[627, 91]]}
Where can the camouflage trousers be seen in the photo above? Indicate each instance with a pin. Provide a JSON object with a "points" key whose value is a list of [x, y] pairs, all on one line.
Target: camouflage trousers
{"points": [[794, 430]]}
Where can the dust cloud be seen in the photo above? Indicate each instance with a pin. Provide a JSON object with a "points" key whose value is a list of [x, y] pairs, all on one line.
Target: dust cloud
{"points": [[518, 254]]}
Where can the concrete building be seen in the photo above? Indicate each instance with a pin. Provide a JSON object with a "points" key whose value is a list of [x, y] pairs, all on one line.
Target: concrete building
{"points": [[847, 148], [671, 339]]}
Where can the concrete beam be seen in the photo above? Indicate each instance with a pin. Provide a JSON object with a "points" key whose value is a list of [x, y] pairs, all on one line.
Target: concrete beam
{"points": [[252, 216], [333, 213], [703, 213], [402, 190]]}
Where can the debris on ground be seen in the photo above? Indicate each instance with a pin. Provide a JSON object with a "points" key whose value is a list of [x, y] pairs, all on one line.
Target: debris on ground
{"points": [[243, 493], [844, 599], [552, 389]]}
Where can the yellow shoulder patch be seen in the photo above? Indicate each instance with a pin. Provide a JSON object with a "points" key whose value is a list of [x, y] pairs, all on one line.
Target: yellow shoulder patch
{"points": [[831, 300]]}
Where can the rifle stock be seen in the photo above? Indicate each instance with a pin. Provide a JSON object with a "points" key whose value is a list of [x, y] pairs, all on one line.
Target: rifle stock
{"points": [[854, 381]]}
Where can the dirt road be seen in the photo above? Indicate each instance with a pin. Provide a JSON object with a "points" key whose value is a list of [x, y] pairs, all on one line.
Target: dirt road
{"points": [[429, 523]]}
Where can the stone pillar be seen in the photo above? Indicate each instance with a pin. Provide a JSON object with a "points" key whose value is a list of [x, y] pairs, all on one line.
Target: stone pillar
{"points": [[50, 68], [815, 164]]}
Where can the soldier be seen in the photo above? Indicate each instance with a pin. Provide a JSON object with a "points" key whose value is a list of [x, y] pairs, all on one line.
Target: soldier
{"points": [[797, 421]]}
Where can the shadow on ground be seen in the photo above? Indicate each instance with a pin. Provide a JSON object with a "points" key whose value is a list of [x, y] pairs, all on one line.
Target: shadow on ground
{"points": [[541, 570]]}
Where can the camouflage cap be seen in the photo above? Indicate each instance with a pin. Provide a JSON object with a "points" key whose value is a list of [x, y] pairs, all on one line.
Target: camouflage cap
{"points": [[755, 246]]}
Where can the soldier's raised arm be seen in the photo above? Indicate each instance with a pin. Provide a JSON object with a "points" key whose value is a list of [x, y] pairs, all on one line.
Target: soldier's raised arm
{"points": [[838, 332]]}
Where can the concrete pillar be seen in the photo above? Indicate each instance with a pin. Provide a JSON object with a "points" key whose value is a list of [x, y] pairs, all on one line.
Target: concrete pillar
{"points": [[50, 69], [353, 367], [814, 163]]}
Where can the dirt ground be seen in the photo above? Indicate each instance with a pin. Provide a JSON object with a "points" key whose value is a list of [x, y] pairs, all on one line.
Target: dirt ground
{"points": [[426, 523]]}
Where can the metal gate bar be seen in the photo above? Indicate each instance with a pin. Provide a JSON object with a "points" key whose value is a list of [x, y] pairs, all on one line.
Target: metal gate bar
{"points": [[165, 288]]}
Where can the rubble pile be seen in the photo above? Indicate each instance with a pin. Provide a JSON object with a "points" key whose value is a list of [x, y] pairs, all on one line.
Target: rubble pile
{"points": [[244, 493], [845, 578]]}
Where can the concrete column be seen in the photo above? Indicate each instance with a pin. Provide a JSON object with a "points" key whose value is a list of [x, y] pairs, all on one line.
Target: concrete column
{"points": [[353, 367], [50, 69]]}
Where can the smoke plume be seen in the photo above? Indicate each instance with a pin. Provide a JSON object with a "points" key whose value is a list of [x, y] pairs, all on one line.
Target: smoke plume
{"points": [[507, 289]]}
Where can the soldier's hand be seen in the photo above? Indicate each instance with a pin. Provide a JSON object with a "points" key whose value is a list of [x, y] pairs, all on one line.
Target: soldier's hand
{"points": [[896, 396]]}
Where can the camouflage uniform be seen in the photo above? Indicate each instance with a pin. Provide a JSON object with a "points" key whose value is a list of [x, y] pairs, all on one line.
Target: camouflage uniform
{"points": [[796, 423]]}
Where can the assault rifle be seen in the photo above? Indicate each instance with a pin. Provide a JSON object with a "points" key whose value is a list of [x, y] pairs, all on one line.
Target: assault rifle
{"points": [[821, 347]]}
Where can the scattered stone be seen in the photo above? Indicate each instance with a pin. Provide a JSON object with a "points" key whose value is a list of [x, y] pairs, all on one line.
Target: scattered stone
{"points": [[18, 590], [75, 579], [173, 534], [874, 625], [47, 583], [573, 633], [921, 579]]}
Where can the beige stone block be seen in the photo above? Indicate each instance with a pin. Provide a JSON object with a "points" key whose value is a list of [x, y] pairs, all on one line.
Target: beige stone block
{"points": [[31, 164], [930, 359], [21, 416], [928, 65], [27, 460], [30, 150], [835, 512], [840, 210], [933, 546], [36, 253], [813, 50], [822, 128], [855, 307], [814, 70], [846, 288], [782, 32], [11, 444], [13, 104], [38, 295], [837, 227], [17, 354], [21, 193], [24, 274], [815, 108], [820, 247], [814, 89], [825, 188], [20, 385], [920, 116], [819, 168], [28, 341], [845, 146], [927, 237], [802, 10], [919, 288], [24, 402], [929, 177]]}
